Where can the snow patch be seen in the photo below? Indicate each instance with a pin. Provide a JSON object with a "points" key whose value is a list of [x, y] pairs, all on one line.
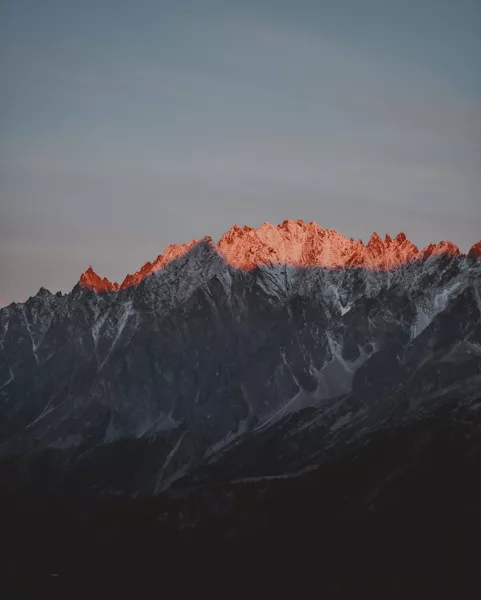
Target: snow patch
{"points": [[168, 460], [27, 324], [170, 480], [442, 298], [227, 440], [423, 319], [341, 421], [127, 310], [225, 279], [11, 378], [96, 327]]}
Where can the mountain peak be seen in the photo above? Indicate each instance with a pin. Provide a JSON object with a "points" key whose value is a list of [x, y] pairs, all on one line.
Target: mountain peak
{"points": [[475, 251], [442, 248], [173, 252], [44, 293], [295, 243], [91, 281], [374, 239]]}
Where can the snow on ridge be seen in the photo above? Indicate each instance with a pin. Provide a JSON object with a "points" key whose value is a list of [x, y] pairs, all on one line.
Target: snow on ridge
{"points": [[126, 312]]}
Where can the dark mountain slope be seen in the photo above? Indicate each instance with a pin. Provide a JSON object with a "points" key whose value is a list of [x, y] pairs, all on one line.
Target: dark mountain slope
{"points": [[397, 518]]}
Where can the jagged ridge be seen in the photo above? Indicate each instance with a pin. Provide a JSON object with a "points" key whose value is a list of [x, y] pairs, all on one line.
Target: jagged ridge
{"points": [[173, 372], [293, 243]]}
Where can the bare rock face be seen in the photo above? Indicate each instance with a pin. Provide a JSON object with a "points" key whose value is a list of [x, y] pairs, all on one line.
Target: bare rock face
{"points": [[91, 281], [253, 357], [475, 251]]}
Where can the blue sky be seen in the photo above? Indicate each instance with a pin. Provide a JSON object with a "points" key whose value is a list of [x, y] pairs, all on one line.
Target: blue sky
{"points": [[128, 126]]}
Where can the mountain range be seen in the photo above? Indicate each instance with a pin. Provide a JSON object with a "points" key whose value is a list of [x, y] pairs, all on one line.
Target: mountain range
{"points": [[292, 243], [257, 408], [292, 333]]}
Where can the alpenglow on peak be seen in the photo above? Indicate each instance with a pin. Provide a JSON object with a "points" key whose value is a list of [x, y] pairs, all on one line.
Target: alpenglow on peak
{"points": [[295, 243]]}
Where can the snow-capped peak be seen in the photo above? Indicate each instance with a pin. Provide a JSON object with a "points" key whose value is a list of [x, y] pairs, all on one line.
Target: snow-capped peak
{"points": [[295, 243]]}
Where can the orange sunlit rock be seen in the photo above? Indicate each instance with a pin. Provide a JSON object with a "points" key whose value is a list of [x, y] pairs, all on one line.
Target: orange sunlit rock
{"points": [[293, 243], [92, 281], [172, 253], [475, 251], [446, 248]]}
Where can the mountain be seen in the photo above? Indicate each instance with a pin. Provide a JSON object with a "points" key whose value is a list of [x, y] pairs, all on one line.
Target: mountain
{"points": [[262, 405], [293, 243], [291, 331]]}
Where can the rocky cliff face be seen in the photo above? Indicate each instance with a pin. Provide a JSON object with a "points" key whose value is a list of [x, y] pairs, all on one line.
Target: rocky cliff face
{"points": [[254, 357]]}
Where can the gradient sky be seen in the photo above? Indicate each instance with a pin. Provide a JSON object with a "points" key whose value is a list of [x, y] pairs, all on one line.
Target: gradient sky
{"points": [[128, 126]]}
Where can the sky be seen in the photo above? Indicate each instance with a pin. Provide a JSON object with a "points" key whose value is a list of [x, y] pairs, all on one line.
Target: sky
{"points": [[129, 126]]}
